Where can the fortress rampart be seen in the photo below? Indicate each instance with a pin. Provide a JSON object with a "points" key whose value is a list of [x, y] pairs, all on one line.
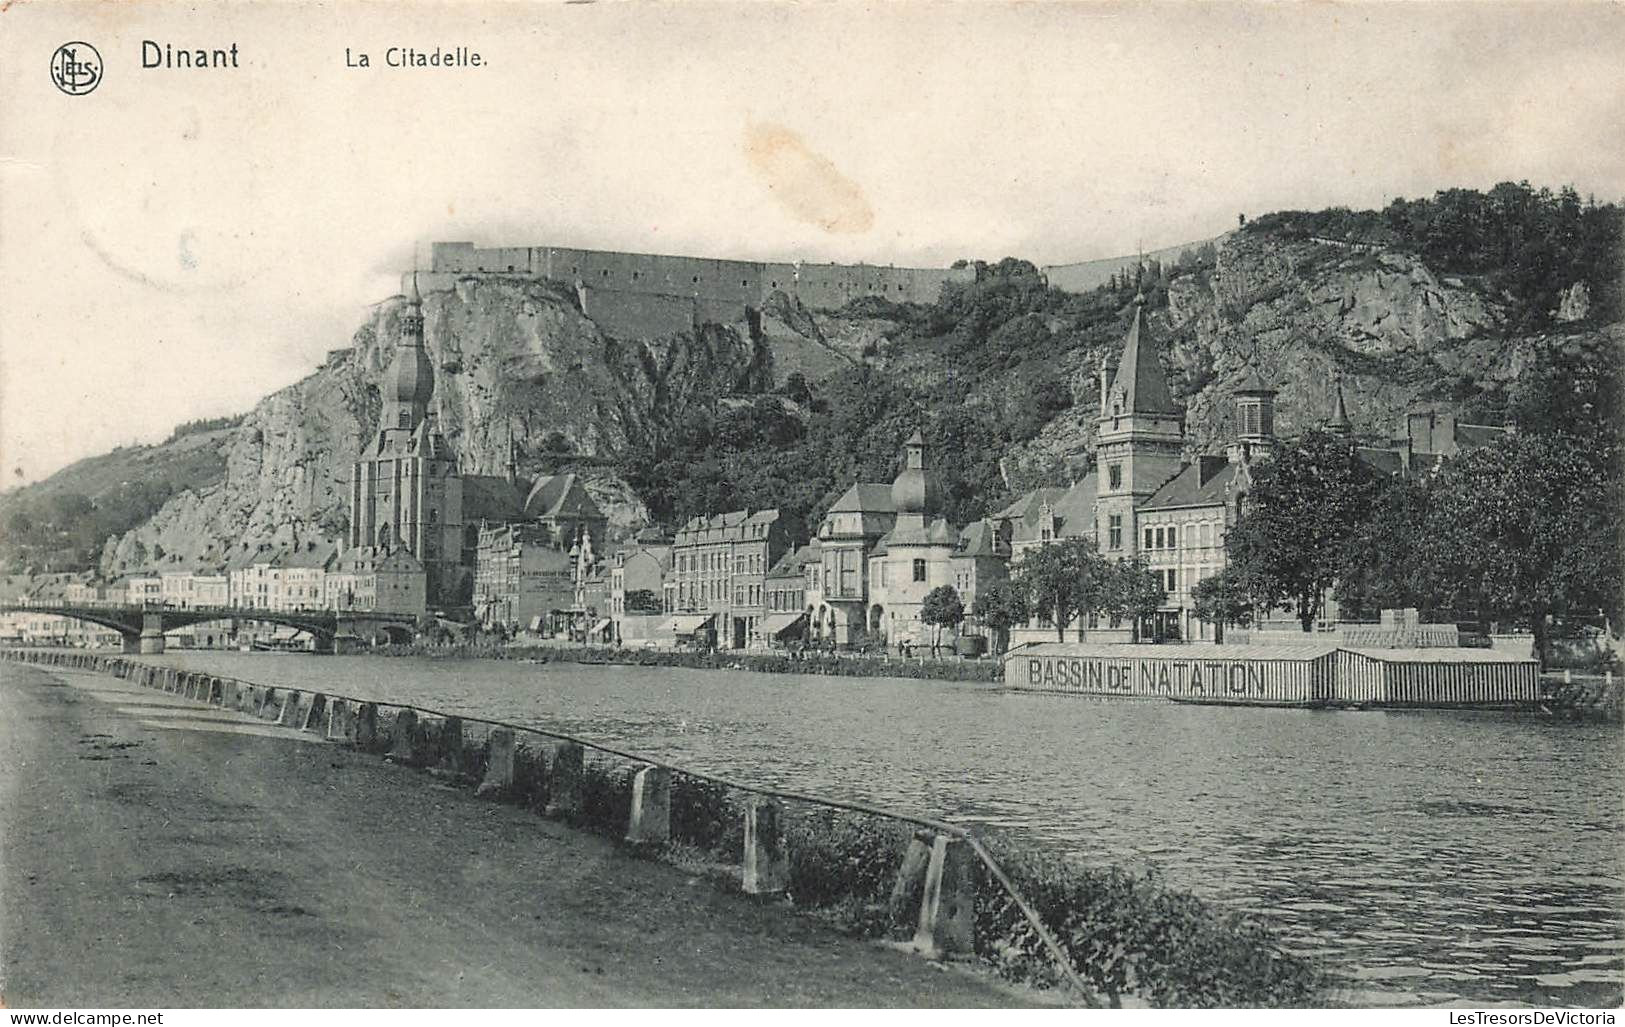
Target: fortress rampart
{"points": [[651, 294]]}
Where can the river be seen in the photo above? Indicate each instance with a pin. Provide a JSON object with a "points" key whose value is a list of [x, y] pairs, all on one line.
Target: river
{"points": [[1438, 856]]}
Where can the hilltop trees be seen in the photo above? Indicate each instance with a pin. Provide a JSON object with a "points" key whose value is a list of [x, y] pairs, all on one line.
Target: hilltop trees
{"points": [[1307, 502]]}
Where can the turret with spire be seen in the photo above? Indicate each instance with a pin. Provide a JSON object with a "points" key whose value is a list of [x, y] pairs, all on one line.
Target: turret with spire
{"points": [[1339, 424]]}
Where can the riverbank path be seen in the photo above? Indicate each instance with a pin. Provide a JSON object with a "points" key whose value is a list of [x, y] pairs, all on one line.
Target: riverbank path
{"points": [[155, 852]]}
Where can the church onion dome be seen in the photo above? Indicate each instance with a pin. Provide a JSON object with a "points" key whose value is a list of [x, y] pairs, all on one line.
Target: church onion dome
{"points": [[915, 490], [411, 379]]}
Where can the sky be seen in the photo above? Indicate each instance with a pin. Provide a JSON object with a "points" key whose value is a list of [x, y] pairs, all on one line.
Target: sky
{"points": [[179, 243]]}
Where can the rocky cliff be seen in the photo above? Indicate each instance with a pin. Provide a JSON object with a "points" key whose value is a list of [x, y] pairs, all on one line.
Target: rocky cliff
{"points": [[1397, 335], [513, 358]]}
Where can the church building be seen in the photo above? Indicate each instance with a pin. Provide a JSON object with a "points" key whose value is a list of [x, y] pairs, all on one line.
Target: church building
{"points": [[406, 492]]}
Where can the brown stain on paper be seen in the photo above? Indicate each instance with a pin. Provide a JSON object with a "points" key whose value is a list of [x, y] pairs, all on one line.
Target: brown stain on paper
{"points": [[805, 182]]}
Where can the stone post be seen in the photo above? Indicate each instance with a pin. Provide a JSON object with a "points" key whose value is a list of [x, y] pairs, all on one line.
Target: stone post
{"points": [[365, 730], [565, 779], [450, 755], [906, 891], [947, 913], [767, 863], [650, 823], [498, 780], [400, 737], [341, 721], [314, 713]]}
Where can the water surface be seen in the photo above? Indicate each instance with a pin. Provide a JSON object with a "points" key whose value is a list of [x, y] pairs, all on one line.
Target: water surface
{"points": [[1444, 855]]}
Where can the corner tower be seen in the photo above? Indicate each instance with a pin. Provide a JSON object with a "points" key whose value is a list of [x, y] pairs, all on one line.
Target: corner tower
{"points": [[1255, 418], [1140, 440]]}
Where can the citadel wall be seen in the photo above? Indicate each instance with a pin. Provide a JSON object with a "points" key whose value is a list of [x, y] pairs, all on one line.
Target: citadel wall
{"points": [[652, 294]]}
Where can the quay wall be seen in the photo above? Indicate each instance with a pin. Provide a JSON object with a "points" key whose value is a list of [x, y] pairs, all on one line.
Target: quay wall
{"points": [[949, 892], [1307, 674]]}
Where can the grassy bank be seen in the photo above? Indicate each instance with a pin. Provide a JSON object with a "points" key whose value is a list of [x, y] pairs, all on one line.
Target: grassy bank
{"points": [[855, 665], [1131, 938]]}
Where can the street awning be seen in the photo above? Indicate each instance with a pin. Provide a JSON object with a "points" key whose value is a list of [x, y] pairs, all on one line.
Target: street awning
{"points": [[689, 624], [601, 627], [780, 623]]}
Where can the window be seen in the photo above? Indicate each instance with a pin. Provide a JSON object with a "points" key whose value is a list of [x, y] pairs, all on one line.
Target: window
{"points": [[1148, 537], [1172, 543], [1115, 531], [1115, 473], [919, 570], [1159, 538], [1173, 579]]}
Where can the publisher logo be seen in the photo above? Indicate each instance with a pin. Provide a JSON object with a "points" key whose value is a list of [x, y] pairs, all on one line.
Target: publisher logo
{"points": [[76, 68]]}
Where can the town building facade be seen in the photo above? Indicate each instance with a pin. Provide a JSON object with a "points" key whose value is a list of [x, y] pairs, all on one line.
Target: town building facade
{"points": [[720, 565], [637, 592]]}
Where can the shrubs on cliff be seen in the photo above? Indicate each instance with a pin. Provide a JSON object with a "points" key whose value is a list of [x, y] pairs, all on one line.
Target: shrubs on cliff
{"points": [[1531, 243]]}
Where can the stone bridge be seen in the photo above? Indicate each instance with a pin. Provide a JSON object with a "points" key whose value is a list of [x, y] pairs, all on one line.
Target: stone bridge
{"points": [[142, 628]]}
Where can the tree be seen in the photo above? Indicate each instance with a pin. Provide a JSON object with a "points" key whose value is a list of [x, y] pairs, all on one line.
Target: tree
{"points": [[942, 609], [1001, 605], [1134, 591], [1306, 503], [1530, 526], [642, 600], [1389, 560], [1064, 580], [1222, 599]]}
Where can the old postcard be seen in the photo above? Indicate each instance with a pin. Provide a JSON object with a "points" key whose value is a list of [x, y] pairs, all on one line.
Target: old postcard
{"points": [[764, 504]]}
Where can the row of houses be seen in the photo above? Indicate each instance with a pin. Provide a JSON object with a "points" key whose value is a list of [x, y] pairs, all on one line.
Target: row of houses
{"points": [[736, 581]]}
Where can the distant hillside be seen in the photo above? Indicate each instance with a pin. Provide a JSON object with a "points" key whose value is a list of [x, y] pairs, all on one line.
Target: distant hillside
{"points": [[1088, 275], [61, 523], [1497, 306]]}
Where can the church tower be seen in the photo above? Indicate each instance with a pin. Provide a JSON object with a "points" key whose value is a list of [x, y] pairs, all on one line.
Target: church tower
{"points": [[1139, 443], [406, 492]]}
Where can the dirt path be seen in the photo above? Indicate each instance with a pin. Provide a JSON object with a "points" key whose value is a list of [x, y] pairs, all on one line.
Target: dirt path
{"points": [[157, 853]]}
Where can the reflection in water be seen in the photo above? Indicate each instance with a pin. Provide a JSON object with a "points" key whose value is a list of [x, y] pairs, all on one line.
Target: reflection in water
{"points": [[1442, 854]]}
